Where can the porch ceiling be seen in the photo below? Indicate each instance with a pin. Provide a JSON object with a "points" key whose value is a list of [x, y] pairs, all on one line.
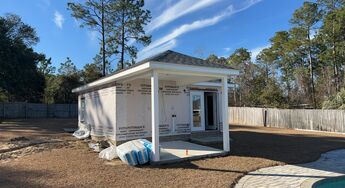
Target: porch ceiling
{"points": [[185, 79], [181, 80]]}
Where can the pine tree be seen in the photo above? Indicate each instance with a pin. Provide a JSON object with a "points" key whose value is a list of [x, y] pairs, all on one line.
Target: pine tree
{"points": [[94, 15], [304, 20], [130, 17]]}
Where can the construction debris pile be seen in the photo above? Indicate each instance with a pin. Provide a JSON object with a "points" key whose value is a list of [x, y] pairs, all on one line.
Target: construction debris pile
{"points": [[21, 146], [135, 152]]}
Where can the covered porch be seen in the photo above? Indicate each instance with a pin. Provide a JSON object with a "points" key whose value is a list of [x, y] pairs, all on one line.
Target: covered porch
{"points": [[160, 91], [186, 76]]}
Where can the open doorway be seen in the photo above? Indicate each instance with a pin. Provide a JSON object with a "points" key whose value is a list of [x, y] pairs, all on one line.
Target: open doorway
{"points": [[210, 110]]}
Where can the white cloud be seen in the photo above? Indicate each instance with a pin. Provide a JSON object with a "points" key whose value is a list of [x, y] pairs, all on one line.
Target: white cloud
{"points": [[181, 8], [92, 35], [227, 49], [43, 4], [184, 29], [166, 46], [255, 51], [157, 6], [230, 10], [58, 19]]}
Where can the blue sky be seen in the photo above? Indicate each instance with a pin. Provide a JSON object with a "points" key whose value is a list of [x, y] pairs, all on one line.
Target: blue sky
{"points": [[194, 27]]}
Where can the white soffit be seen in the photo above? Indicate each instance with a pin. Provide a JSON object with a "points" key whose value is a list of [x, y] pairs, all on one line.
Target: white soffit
{"points": [[213, 84], [162, 68]]}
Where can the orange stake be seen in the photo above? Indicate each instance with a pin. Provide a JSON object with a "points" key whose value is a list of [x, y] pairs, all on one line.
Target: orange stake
{"points": [[186, 151]]}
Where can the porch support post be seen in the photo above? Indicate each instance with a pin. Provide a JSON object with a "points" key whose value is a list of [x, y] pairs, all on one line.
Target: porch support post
{"points": [[79, 110], [226, 139], [155, 115]]}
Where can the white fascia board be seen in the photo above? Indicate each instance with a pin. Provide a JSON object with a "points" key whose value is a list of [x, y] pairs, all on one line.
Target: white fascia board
{"points": [[126, 73], [214, 72], [170, 68], [213, 84]]}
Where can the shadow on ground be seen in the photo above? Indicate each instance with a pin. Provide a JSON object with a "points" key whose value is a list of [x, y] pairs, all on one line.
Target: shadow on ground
{"points": [[8, 181], [287, 146], [35, 128], [280, 145]]}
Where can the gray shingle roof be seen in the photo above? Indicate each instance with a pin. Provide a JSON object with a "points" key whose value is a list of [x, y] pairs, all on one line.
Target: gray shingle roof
{"points": [[170, 56]]}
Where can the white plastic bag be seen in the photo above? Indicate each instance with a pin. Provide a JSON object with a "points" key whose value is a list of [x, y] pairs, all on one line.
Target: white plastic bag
{"points": [[81, 134], [108, 153], [95, 147], [127, 154]]}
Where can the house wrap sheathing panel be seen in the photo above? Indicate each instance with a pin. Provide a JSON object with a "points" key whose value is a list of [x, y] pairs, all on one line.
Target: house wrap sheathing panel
{"points": [[133, 109], [100, 112], [123, 111]]}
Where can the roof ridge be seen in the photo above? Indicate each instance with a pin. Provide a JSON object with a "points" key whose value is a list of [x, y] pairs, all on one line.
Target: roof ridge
{"points": [[186, 55], [187, 59]]}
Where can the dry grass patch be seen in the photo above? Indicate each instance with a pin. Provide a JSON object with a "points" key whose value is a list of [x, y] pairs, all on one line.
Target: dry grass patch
{"points": [[252, 148]]}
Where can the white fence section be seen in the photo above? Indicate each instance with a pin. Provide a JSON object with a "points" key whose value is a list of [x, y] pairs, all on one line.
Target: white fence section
{"points": [[246, 116], [36, 110], [322, 120]]}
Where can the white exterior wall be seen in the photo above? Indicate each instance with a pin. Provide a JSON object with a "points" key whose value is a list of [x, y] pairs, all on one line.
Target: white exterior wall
{"points": [[123, 112], [133, 109], [101, 111]]}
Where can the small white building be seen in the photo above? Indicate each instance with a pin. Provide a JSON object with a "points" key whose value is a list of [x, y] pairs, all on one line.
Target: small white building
{"points": [[168, 94]]}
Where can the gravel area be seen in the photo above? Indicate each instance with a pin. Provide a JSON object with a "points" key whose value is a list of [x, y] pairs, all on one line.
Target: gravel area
{"points": [[75, 165]]}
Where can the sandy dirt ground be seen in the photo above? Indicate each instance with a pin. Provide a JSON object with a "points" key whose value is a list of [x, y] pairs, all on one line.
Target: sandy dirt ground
{"points": [[71, 163]]}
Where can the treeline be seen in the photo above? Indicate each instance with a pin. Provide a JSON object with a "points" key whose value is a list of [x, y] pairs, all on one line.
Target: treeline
{"points": [[26, 75], [302, 68], [29, 76]]}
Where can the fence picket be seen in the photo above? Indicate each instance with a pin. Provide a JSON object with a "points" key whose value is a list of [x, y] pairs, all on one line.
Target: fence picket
{"points": [[323, 120], [36, 110]]}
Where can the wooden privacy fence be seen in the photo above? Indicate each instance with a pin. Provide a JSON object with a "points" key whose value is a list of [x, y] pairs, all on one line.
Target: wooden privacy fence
{"points": [[246, 116], [37, 110], [322, 120]]}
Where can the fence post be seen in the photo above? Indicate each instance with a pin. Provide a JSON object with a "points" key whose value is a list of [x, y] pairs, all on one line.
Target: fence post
{"points": [[3, 114], [69, 110], [46, 110], [342, 123], [25, 111], [265, 117]]}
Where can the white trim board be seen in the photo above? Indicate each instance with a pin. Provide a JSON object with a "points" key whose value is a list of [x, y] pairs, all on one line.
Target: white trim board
{"points": [[169, 68]]}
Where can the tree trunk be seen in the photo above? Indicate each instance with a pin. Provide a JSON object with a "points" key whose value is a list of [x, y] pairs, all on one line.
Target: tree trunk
{"points": [[235, 100], [336, 70], [326, 78], [122, 40], [103, 38], [311, 71], [241, 99], [267, 72], [288, 88]]}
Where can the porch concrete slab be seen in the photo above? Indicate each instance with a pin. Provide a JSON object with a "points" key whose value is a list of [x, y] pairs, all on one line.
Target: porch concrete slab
{"points": [[175, 151], [207, 140]]}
